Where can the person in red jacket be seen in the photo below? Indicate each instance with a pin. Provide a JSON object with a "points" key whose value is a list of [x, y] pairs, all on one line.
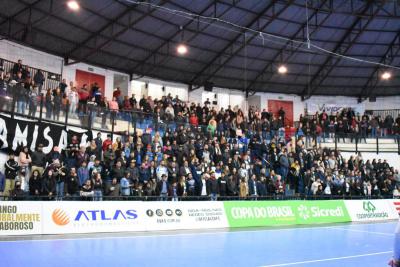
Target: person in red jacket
{"points": [[107, 142], [83, 98], [193, 120]]}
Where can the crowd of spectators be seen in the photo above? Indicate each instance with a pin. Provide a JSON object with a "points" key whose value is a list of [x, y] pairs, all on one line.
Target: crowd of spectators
{"points": [[169, 112], [205, 152]]}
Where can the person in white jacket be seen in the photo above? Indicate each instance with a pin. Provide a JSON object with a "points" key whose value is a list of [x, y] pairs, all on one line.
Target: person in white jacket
{"points": [[73, 101]]}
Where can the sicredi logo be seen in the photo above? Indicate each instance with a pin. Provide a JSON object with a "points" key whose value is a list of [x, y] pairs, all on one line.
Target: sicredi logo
{"points": [[61, 218], [317, 212], [303, 212]]}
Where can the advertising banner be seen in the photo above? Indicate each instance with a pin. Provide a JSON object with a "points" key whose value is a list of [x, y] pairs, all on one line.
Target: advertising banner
{"points": [[333, 108], [20, 218], [370, 210], [394, 204], [184, 215], [15, 133], [266, 213], [92, 217]]}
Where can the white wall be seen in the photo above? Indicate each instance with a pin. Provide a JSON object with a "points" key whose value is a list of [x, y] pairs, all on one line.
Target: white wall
{"points": [[392, 102], [31, 57], [255, 101], [155, 88], [224, 97]]}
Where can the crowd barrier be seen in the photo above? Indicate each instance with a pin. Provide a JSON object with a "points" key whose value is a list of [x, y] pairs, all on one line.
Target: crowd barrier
{"points": [[63, 217]]}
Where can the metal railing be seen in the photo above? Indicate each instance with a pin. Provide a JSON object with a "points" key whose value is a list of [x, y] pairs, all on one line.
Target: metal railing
{"points": [[26, 197], [383, 113], [51, 81]]}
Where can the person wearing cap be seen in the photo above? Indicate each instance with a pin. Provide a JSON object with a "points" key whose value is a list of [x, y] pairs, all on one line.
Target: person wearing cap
{"points": [[90, 164], [38, 159], [11, 169]]}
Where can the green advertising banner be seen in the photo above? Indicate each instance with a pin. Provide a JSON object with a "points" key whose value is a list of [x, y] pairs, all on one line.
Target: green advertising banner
{"points": [[268, 213]]}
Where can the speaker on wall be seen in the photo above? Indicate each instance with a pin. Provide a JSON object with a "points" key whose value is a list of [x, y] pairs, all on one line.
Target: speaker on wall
{"points": [[208, 86]]}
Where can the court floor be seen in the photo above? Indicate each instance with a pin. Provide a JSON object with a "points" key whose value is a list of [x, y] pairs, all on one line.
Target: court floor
{"points": [[367, 245]]}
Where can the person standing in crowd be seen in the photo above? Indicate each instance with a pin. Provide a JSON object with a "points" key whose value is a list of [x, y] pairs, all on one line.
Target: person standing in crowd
{"points": [[17, 68], [73, 99], [163, 188], [212, 187], [72, 185], [98, 187], [49, 184], [48, 102], [83, 94], [25, 161], [2, 184], [21, 94], [57, 104], [35, 185], [63, 87], [125, 186], [33, 102], [113, 107], [39, 80], [86, 191], [11, 171], [83, 173]]}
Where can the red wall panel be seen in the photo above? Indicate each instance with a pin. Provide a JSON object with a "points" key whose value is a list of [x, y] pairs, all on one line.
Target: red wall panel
{"points": [[275, 105], [84, 77]]}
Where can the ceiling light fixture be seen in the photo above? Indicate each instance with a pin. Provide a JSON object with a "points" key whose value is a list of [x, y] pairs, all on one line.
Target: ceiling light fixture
{"points": [[182, 49], [386, 75], [73, 5], [282, 69]]}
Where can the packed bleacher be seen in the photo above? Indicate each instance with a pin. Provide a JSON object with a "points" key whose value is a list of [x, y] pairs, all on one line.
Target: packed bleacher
{"points": [[192, 151]]}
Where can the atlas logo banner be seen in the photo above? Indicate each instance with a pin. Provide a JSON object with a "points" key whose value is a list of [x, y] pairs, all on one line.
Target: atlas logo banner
{"points": [[61, 218], [78, 217]]}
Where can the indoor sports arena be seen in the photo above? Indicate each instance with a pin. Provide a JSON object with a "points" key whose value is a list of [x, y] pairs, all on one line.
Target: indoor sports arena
{"points": [[248, 133]]}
